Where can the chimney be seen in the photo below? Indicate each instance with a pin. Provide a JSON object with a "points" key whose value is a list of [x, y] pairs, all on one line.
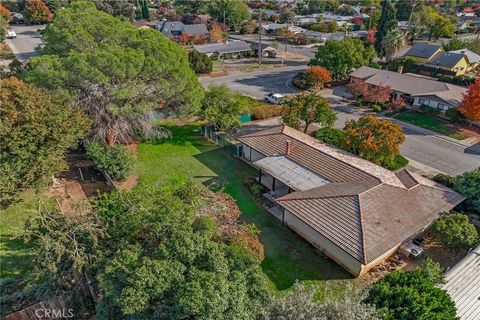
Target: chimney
{"points": [[287, 147], [400, 69]]}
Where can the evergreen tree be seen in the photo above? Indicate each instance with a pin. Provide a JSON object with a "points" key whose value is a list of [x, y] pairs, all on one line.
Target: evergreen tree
{"points": [[387, 23], [145, 13]]}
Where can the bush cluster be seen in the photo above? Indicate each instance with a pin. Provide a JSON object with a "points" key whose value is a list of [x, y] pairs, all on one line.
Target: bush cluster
{"points": [[456, 231], [331, 136], [200, 62], [254, 186], [115, 160], [265, 111]]}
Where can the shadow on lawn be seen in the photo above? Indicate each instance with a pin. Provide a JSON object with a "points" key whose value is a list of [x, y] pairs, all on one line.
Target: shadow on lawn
{"points": [[16, 255], [288, 257]]}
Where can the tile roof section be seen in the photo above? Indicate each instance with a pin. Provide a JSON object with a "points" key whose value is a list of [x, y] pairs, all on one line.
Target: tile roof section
{"points": [[446, 59], [330, 162], [472, 56], [387, 215]]}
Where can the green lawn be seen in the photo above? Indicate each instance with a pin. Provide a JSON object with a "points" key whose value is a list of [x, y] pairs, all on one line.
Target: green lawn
{"points": [[428, 122], [287, 257], [15, 256]]}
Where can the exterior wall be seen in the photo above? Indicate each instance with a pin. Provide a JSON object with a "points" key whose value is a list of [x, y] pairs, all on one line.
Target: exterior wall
{"points": [[459, 69], [416, 59], [251, 154], [352, 265], [418, 101]]}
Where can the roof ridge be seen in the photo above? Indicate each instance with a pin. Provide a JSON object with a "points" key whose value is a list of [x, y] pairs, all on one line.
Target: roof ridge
{"points": [[315, 197], [362, 233]]}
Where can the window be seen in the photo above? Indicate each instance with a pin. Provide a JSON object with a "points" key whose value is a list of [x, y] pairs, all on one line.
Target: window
{"points": [[442, 106], [424, 101]]}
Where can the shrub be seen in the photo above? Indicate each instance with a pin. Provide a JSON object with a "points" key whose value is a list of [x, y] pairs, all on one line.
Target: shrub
{"points": [[254, 186], [444, 179], [429, 110], [454, 115], [204, 225], [376, 108], [455, 231], [115, 160], [265, 111], [399, 162], [331, 136], [468, 185], [300, 81], [412, 294], [200, 62]]}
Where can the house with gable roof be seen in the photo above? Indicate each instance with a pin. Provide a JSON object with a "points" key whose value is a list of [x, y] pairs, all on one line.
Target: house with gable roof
{"points": [[355, 212]]}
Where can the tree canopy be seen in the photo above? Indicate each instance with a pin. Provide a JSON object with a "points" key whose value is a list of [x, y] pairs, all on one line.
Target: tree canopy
{"points": [[35, 131], [387, 23], [305, 109], [340, 57], [174, 252], [374, 139], [470, 104], [118, 74], [223, 108], [468, 185], [37, 12], [229, 12], [413, 295], [456, 231]]}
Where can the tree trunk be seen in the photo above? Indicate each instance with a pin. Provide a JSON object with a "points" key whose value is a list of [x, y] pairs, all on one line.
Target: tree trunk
{"points": [[306, 127]]}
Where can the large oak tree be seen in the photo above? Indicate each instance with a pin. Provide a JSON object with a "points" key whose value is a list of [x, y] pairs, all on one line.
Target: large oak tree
{"points": [[118, 74]]}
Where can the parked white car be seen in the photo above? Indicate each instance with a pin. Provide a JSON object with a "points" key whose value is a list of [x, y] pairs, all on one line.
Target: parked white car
{"points": [[11, 34], [273, 98]]}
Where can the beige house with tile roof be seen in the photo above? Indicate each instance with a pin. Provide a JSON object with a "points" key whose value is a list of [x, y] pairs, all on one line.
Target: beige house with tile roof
{"points": [[355, 212]]}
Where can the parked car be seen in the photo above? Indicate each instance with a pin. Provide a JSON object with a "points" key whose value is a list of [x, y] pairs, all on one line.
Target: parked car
{"points": [[11, 34], [273, 98]]}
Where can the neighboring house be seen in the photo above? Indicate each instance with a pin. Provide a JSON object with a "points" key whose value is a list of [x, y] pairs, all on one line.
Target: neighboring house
{"points": [[355, 212], [455, 64], [228, 49], [423, 52], [462, 283], [303, 20], [322, 36], [416, 90], [473, 58], [431, 58], [267, 50], [273, 27], [175, 29]]}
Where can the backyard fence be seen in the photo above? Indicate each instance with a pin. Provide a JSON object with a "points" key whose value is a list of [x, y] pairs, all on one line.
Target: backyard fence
{"points": [[219, 139]]}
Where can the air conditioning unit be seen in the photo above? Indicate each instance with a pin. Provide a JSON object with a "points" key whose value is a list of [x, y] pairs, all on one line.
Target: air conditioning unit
{"points": [[411, 250]]}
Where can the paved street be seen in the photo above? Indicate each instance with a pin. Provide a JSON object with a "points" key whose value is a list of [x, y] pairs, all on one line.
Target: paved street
{"points": [[28, 38], [430, 153]]}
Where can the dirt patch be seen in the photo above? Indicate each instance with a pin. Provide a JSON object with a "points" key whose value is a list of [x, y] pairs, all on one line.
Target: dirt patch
{"points": [[73, 187], [127, 184], [132, 147]]}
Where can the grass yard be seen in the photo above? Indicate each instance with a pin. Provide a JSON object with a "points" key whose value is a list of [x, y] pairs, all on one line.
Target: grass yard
{"points": [[15, 256], [287, 257], [428, 122]]}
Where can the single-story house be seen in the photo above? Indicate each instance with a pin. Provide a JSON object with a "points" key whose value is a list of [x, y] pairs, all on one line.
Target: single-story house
{"points": [[462, 283], [267, 50], [273, 27], [416, 90], [355, 212], [175, 29], [303, 20], [423, 52], [228, 49], [432, 58], [473, 58]]}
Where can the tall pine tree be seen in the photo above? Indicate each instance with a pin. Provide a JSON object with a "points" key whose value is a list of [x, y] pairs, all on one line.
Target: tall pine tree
{"points": [[387, 23]]}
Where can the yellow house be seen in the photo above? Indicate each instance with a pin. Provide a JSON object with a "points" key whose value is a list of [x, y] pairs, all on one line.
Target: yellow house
{"points": [[423, 52], [473, 58], [456, 63]]}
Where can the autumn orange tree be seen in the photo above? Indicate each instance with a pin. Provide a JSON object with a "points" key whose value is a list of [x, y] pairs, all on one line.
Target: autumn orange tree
{"points": [[372, 94], [470, 105], [37, 12], [4, 13], [318, 76], [216, 33], [374, 139]]}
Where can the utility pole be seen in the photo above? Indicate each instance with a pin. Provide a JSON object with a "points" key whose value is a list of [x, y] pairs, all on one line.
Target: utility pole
{"points": [[260, 48], [410, 18], [371, 16]]}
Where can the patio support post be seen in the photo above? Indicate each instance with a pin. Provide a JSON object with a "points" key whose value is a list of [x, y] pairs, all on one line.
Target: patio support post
{"points": [[260, 176], [273, 184]]}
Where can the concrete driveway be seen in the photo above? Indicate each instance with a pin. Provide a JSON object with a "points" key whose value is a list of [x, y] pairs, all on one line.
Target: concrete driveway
{"points": [[28, 38]]}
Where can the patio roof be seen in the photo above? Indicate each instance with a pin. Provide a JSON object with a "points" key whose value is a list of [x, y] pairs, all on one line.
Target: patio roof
{"points": [[291, 173]]}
